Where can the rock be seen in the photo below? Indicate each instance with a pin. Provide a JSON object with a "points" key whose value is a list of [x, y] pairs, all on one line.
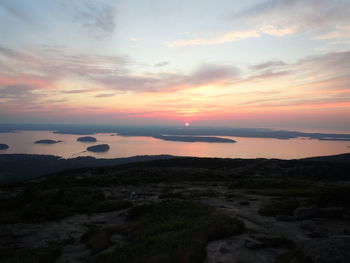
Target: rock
{"points": [[97, 241], [270, 240], [245, 203], [252, 243], [318, 233], [98, 148], [73, 249], [332, 212], [73, 254], [3, 146], [224, 250], [328, 250], [308, 225], [46, 142], [133, 196], [285, 218], [305, 212], [86, 139], [117, 239]]}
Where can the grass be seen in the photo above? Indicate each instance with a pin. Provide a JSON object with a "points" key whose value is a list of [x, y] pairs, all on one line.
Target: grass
{"points": [[281, 207], [171, 231], [29, 255]]}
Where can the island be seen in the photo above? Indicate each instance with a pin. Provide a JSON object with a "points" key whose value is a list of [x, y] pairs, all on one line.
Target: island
{"points": [[86, 139], [98, 148], [3, 146], [46, 142], [193, 139]]}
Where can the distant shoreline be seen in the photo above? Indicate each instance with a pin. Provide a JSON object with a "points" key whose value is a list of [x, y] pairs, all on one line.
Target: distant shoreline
{"points": [[163, 132]]}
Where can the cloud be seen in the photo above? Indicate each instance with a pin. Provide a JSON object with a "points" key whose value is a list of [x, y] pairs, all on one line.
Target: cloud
{"points": [[232, 36], [97, 17], [340, 31], [104, 95], [44, 67], [268, 65], [165, 82], [19, 13], [328, 19], [162, 64], [209, 73], [18, 94], [334, 64], [77, 91], [311, 15], [52, 64]]}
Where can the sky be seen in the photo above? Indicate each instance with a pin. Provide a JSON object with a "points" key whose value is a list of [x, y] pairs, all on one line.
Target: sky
{"points": [[281, 64]]}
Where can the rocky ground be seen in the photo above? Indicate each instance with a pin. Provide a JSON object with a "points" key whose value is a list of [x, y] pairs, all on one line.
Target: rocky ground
{"points": [[280, 225]]}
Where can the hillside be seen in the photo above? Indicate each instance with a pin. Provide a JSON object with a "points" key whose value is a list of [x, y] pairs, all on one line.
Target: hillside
{"points": [[181, 210]]}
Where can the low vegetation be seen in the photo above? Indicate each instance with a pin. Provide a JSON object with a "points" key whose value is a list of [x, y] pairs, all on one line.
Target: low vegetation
{"points": [[29, 255], [32, 205], [170, 231]]}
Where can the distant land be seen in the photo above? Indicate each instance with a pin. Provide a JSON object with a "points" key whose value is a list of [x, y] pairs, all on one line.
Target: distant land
{"points": [[193, 139], [19, 167], [339, 158], [98, 148], [3, 146], [86, 139], [46, 142], [158, 131]]}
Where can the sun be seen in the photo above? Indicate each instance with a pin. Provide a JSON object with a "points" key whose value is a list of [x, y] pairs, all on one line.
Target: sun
{"points": [[187, 124]]}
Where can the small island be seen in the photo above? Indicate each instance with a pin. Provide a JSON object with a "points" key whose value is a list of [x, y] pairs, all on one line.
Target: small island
{"points": [[98, 148], [193, 139], [86, 139], [3, 146], [46, 142]]}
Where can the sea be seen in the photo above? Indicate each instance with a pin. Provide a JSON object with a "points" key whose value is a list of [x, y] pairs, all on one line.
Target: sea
{"points": [[122, 146]]}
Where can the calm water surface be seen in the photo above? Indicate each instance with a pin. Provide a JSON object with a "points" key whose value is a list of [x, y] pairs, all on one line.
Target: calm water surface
{"points": [[23, 142]]}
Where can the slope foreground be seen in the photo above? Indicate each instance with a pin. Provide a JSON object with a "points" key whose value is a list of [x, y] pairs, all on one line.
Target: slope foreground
{"points": [[181, 210]]}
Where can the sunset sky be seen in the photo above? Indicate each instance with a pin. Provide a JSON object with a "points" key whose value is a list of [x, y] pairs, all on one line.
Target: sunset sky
{"points": [[249, 63]]}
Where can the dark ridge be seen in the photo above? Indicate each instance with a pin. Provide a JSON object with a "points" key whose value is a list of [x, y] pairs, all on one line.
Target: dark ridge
{"points": [[19, 167], [339, 158], [175, 170]]}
